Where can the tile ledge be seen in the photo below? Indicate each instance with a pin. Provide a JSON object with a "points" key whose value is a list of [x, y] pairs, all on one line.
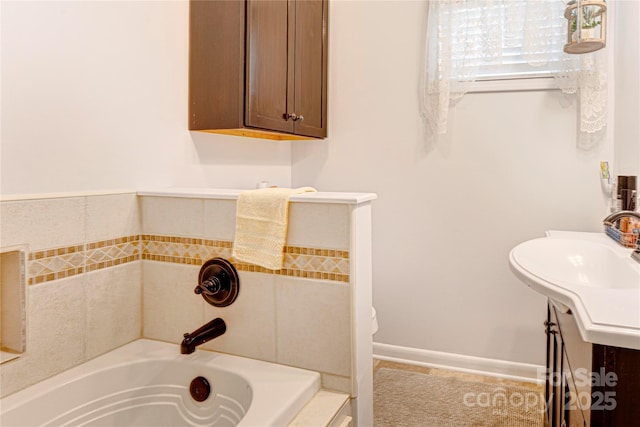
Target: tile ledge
{"points": [[6, 356], [232, 194], [71, 194], [349, 198], [321, 409]]}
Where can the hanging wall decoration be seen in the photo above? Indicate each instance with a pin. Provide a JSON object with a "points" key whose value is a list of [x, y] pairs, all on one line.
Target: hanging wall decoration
{"points": [[587, 25]]}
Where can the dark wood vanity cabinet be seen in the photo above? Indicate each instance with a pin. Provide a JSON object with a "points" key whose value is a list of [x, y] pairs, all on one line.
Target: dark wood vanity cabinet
{"points": [[587, 384], [259, 68]]}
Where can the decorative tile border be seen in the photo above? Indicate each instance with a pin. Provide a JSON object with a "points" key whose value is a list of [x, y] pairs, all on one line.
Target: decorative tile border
{"points": [[183, 250], [311, 263], [58, 263], [54, 264], [109, 253]]}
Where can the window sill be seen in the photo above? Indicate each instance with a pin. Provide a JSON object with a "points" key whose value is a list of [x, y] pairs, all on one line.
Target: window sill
{"points": [[513, 85]]}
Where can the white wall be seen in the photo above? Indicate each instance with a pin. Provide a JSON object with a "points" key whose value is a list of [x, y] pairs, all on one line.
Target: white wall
{"points": [[446, 217], [627, 106], [94, 96]]}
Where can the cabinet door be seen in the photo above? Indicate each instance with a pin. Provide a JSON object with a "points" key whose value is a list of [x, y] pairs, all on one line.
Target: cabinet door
{"points": [[267, 65], [310, 64], [216, 64], [553, 389], [572, 415], [579, 356]]}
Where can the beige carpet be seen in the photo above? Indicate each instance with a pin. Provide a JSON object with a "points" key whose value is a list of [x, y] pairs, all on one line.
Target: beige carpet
{"points": [[417, 399]]}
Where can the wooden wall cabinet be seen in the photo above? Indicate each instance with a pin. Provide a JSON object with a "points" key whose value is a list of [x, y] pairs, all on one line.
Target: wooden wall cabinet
{"points": [[588, 385], [258, 68]]}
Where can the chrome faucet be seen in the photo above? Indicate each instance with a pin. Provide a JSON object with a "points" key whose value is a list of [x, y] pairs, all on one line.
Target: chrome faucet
{"points": [[205, 333], [611, 220]]}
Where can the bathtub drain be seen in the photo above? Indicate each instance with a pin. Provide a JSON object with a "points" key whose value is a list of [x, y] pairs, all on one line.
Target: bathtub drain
{"points": [[200, 389]]}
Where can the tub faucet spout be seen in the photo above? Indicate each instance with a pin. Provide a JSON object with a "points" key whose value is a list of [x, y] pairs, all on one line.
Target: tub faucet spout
{"points": [[205, 333]]}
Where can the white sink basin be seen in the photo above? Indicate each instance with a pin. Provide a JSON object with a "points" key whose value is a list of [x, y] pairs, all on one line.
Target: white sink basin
{"points": [[566, 262], [589, 274]]}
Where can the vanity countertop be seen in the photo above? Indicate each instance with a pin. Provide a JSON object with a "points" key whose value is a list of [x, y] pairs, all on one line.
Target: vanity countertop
{"points": [[605, 315]]}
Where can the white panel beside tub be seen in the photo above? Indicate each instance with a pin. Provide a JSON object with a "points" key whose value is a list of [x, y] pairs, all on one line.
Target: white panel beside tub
{"points": [[361, 308]]}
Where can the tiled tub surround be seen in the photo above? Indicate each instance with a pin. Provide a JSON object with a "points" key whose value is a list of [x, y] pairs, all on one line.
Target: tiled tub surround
{"points": [[128, 267], [77, 280]]}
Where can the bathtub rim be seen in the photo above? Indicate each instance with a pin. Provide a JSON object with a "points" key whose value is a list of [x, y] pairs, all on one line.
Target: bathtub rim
{"points": [[290, 396]]}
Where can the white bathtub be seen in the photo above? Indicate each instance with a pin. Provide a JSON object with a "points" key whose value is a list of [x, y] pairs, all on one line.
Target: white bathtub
{"points": [[146, 383]]}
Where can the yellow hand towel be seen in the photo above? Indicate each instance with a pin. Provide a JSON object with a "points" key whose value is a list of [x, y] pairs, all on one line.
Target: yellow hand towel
{"points": [[262, 218]]}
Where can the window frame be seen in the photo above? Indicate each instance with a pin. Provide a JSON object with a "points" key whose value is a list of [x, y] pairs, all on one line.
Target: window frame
{"points": [[513, 84]]}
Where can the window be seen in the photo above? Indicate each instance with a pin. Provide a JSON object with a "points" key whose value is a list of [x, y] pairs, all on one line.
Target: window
{"points": [[518, 42], [496, 40]]}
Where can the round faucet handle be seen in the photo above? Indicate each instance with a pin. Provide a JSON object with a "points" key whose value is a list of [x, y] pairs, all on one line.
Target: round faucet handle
{"points": [[218, 282], [210, 286], [213, 284]]}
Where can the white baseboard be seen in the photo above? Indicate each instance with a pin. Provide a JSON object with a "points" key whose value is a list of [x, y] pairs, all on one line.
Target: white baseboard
{"points": [[457, 362]]}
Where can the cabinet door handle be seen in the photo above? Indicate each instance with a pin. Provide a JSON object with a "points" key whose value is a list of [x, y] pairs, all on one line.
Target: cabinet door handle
{"points": [[293, 116], [549, 327]]}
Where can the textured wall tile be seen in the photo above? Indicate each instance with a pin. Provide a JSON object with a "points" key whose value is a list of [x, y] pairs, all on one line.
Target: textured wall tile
{"points": [[250, 319], [319, 225], [112, 216], [170, 307], [172, 216], [114, 302], [313, 325], [55, 334], [219, 219], [44, 223], [56, 324], [337, 383], [18, 374]]}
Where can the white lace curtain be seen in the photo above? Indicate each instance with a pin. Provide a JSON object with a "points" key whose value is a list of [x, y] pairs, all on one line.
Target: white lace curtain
{"points": [[467, 39]]}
